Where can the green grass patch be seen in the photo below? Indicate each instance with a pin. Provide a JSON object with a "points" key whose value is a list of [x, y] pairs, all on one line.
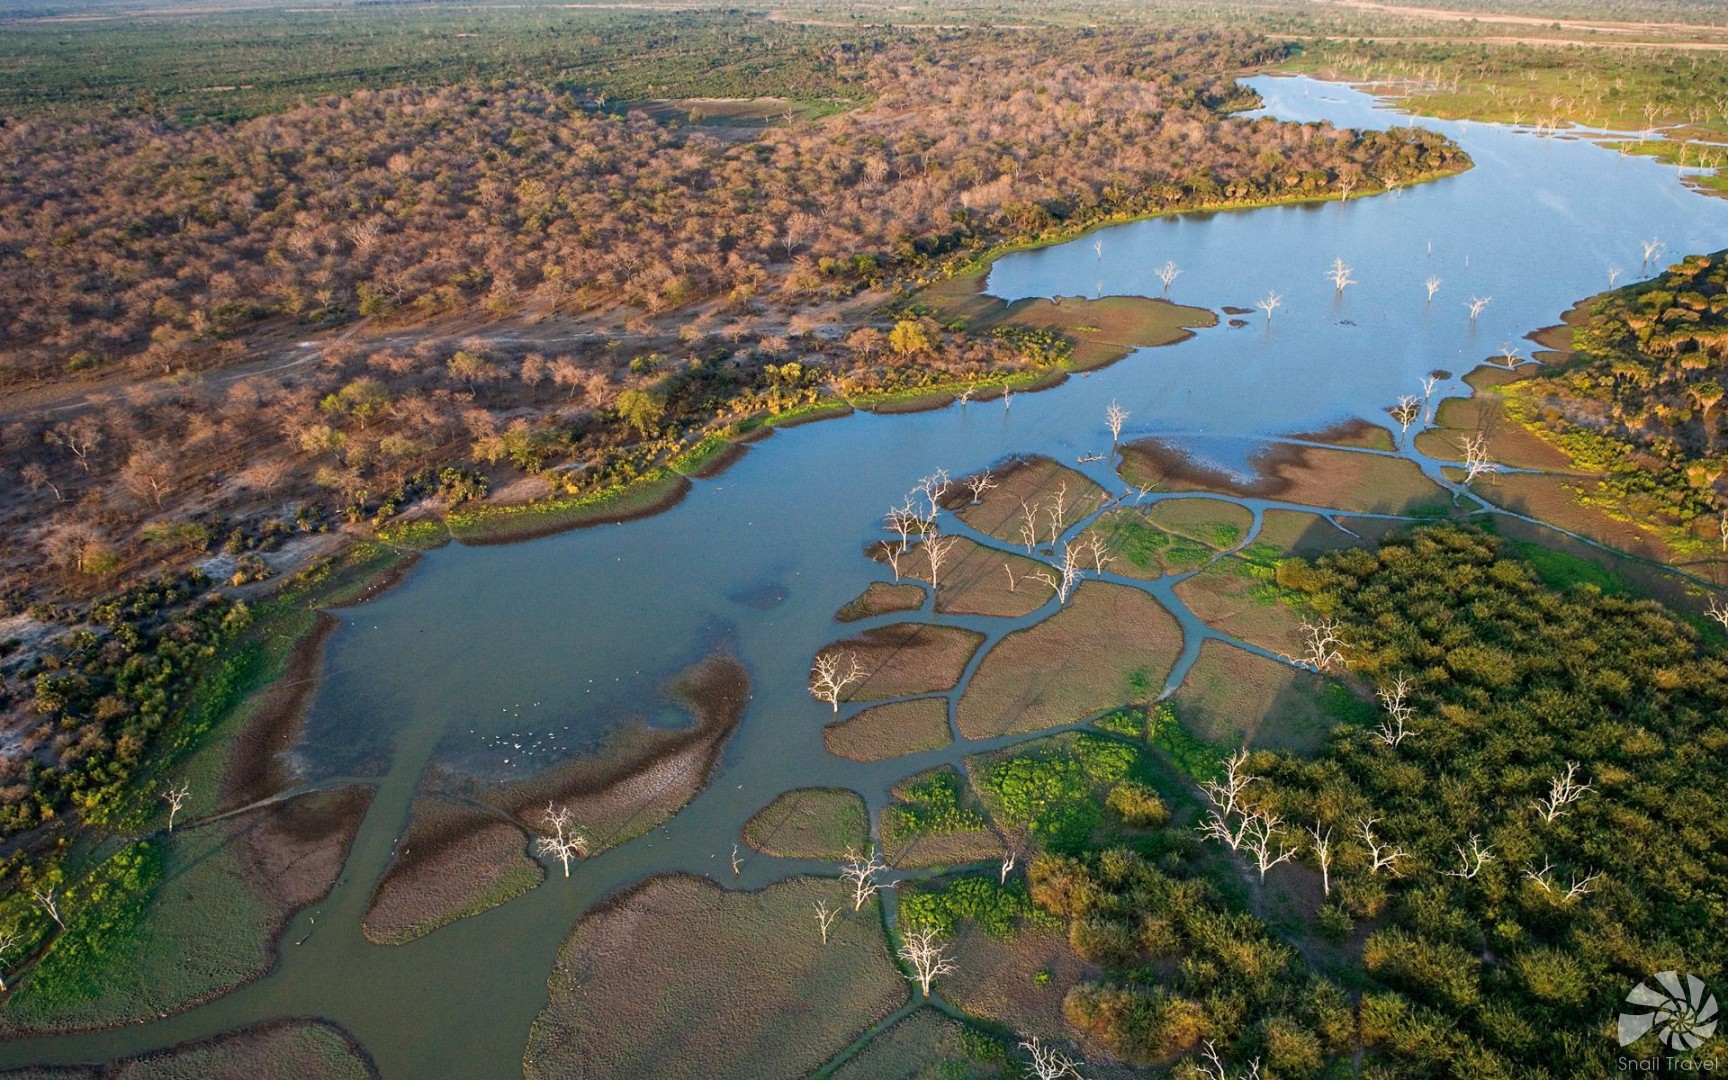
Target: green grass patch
{"points": [[1562, 570], [930, 803], [998, 909]]}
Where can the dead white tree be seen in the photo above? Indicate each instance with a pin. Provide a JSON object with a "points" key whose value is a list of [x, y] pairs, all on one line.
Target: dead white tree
{"points": [[1613, 275], [1395, 727], [1582, 886], [1168, 273], [1012, 584], [566, 841], [1477, 305], [893, 555], [903, 522], [979, 484], [1433, 286], [1007, 399], [1718, 611], [1115, 416], [1028, 527], [965, 396], [831, 674], [1323, 856], [1269, 303], [1406, 412], [1226, 798], [737, 863], [46, 898], [1472, 859], [934, 487], [1339, 274], [1213, 1066], [176, 797], [1476, 461], [825, 917], [1653, 249], [1049, 1063], [936, 549], [927, 957], [1509, 354], [861, 873], [1321, 644], [1428, 385], [1380, 856], [1563, 791], [1098, 549], [8, 942], [1063, 577], [1057, 511], [1264, 838]]}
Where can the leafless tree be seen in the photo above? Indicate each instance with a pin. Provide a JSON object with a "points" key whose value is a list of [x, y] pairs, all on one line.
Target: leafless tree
{"points": [[1057, 511], [825, 916], [831, 674], [1007, 399], [1477, 305], [1264, 838], [1433, 286], [1428, 385], [737, 863], [1226, 798], [1168, 273], [965, 396], [1380, 856], [1115, 416], [45, 897], [1718, 610], [1582, 886], [1323, 856], [1049, 1063], [1321, 644], [36, 477], [1012, 584], [1269, 303], [1472, 858], [1476, 460], [1339, 274], [1563, 791], [936, 549], [903, 522], [934, 487], [80, 438], [1213, 1066], [927, 957], [1613, 275], [1028, 527], [1406, 412], [1509, 354], [1008, 858], [893, 555], [1395, 727], [1653, 249], [1064, 576], [8, 942], [861, 873], [176, 797], [1098, 549], [980, 483], [566, 841]]}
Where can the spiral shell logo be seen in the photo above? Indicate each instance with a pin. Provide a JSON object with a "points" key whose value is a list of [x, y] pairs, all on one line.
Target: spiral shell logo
{"points": [[1679, 1008]]}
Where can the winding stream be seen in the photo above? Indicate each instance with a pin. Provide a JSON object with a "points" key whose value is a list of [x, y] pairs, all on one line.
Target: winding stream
{"points": [[546, 643]]}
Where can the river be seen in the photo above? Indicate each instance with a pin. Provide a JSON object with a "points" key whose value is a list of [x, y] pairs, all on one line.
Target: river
{"points": [[544, 644]]}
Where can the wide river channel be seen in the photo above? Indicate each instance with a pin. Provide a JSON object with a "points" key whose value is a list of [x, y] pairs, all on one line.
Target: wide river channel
{"points": [[491, 659]]}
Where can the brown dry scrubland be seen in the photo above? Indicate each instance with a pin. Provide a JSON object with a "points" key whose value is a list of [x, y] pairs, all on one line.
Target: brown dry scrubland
{"points": [[713, 984]]}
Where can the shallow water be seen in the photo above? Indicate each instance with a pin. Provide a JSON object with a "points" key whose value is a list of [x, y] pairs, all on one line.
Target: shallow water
{"points": [[497, 659]]}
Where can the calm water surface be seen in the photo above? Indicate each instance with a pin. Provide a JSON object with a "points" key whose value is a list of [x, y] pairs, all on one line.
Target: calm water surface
{"points": [[499, 659]]}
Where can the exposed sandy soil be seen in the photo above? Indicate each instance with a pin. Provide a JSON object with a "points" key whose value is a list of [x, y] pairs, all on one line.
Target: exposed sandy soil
{"points": [[255, 770], [881, 598], [998, 980], [892, 730], [277, 1050], [1225, 596], [907, 658], [1071, 665], [810, 823], [1035, 482], [925, 1045], [678, 978], [1335, 479], [642, 775], [1234, 697], [452, 861]]}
